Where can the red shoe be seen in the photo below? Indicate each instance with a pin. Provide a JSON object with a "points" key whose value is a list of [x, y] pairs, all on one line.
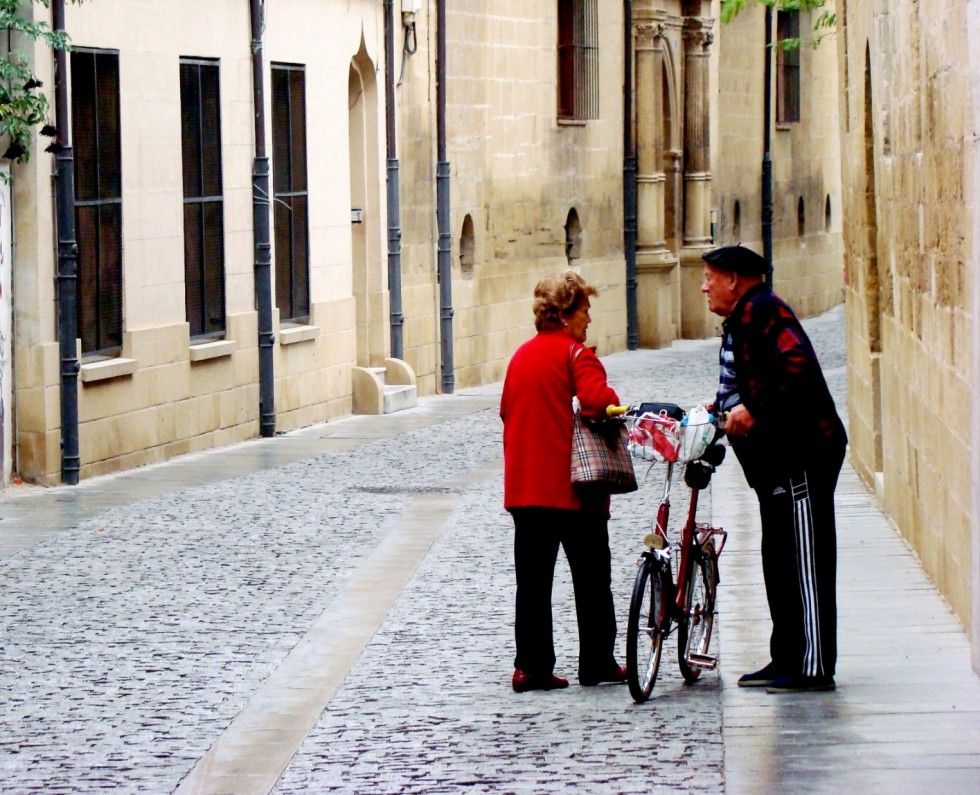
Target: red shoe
{"points": [[617, 676], [524, 681]]}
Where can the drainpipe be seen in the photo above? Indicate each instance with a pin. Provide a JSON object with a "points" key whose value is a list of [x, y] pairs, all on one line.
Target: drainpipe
{"points": [[394, 220], [442, 207], [261, 233], [67, 263], [629, 181], [767, 154]]}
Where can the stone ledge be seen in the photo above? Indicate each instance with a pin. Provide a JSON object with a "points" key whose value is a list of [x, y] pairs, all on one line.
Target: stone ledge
{"points": [[107, 368], [212, 350], [290, 334]]}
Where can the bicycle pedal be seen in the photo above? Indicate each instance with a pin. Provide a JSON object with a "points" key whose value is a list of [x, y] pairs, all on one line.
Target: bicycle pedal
{"points": [[705, 661]]}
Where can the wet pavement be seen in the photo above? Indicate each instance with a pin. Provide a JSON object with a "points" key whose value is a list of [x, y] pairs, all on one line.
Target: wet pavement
{"points": [[331, 611]]}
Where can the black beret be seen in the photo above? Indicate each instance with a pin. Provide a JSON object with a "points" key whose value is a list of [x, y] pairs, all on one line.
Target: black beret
{"points": [[736, 259]]}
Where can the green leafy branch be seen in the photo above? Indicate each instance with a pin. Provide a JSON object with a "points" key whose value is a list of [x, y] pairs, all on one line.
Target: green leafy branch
{"points": [[824, 23], [22, 105]]}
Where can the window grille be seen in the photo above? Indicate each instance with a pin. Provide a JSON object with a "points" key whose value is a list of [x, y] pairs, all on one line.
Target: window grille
{"points": [[98, 199], [787, 68], [290, 191], [578, 59], [204, 288]]}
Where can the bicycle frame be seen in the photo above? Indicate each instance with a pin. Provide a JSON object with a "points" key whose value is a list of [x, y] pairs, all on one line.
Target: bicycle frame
{"points": [[686, 541]]}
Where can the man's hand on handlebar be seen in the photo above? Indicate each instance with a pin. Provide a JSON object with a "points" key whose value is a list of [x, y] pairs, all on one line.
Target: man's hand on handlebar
{"points": [[739, 422]]}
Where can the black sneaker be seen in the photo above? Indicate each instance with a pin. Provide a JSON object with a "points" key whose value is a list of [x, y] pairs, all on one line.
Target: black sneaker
{"points": [[797, 683], [759, 678]]}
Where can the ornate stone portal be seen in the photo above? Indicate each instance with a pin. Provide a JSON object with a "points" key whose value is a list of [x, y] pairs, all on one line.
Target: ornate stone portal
{"points": [[672, 109]]}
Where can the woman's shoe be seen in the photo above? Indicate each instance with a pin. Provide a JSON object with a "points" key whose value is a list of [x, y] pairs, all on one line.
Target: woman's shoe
{"points": [[617, 675], [523, 681]]}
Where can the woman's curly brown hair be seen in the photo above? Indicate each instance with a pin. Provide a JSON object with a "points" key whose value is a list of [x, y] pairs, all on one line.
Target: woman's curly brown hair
{"points": [[557, 297]]}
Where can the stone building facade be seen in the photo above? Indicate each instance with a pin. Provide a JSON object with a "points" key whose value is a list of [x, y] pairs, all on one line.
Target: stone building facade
{"points": [[536, 150], [910, 82]]}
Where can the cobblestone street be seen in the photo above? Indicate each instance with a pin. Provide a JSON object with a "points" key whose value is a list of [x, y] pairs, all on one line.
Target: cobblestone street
{"points": [[138, 638]]}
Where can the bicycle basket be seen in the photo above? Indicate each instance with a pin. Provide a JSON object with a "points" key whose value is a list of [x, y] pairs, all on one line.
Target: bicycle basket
{"points": [[654, 436]]}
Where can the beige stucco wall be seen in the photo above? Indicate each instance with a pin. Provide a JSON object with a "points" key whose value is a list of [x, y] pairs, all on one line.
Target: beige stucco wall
{"points": [[807, 267], [908, 150], [516, 172], [170, 399]]}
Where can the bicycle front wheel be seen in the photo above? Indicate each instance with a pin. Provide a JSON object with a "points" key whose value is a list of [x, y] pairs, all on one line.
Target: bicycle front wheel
{"points": [[697, 618], [649, 620]]}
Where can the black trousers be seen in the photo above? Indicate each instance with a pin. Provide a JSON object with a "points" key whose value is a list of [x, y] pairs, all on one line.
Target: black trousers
{"points": [[538, 532], [799, 565]]}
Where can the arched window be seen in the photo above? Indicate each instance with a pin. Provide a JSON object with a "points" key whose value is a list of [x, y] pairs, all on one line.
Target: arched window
{"points": [[826, 215], [573, 236], [800, 217], [737, 222], [467, 247]]}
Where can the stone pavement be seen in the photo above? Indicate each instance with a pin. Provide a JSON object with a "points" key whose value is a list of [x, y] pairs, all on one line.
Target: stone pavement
{"points": [[330, 611]]}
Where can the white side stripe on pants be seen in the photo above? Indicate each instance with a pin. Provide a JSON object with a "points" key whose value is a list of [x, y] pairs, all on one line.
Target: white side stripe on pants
{"points": [[806, 569]]}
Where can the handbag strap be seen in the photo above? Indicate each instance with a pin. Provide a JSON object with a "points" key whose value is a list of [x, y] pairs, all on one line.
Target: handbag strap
{"points": [[574, 350]]}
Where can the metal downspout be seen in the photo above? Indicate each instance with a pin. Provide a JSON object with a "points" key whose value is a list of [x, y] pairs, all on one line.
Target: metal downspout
{"points": [[261, 203], [442, 208], [629, 181], [67, 263], [767, 153], [397, 319]]}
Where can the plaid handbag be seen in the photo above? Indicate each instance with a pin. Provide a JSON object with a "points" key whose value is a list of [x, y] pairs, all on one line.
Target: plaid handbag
{"points": [[601, 457]]}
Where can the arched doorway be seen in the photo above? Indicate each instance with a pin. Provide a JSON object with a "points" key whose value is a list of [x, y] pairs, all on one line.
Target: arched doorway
{"points": [[366, 211]]}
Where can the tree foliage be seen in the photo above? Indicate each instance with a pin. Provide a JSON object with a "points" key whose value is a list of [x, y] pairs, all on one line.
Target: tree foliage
{"points": [[23, 106], [824, 20]]}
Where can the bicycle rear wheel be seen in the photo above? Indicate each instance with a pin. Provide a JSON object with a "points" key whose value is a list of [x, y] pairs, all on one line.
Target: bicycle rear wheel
{"points": [[698, 614], [649, 620]]}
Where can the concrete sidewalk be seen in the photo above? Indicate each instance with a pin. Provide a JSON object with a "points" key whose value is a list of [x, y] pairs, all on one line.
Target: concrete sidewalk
{"points": [[905, 716]]}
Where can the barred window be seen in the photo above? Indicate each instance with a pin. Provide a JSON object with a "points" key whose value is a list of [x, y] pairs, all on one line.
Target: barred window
{"points": [[787, 68], [289, 186], [204, 256], [98, 198], [578, 59]]}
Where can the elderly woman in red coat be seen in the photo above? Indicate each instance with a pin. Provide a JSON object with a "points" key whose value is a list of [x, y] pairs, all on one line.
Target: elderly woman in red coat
{"points": [[536, 408]]}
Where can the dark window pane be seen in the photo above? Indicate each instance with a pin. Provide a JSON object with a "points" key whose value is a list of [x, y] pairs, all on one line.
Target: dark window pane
{"points": [[301, 281], [110, 276], [107, 100], [280, 130], [211, 125], [190, 123], [297, 130], [87, 236], [214, 272], [83, 125], [284, 255], [193, 267]]}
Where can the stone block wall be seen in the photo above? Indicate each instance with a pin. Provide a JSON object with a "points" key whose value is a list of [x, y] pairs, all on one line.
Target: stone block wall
{"points": [[908, 154]]}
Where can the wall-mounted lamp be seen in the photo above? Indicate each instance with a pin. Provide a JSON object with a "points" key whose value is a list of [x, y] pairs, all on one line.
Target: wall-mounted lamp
{"points": [[409, 9]]}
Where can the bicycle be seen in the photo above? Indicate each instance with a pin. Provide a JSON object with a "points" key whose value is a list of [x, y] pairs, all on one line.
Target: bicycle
{"points": [[660, 602]]}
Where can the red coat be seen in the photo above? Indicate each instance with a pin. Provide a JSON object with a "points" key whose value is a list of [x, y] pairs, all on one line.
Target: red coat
{"points": [[536, 407]]}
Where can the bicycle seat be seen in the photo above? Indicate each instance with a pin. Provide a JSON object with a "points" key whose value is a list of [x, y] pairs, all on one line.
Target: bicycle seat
{"points": [[714, 455]]}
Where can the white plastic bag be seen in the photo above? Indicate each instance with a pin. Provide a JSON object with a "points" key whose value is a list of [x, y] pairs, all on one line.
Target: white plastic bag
{"points": [[698, 433]]}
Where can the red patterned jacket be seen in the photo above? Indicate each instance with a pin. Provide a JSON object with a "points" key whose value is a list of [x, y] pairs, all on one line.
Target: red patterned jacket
{"points": [[781, 384], [536, 408]]}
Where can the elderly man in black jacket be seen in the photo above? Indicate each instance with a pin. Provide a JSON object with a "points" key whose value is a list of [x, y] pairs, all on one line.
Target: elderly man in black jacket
{"points": [[784, 428]]}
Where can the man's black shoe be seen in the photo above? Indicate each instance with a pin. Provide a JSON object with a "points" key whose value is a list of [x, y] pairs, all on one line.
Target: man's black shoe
{"points": [[797, 683], [759, 678]]}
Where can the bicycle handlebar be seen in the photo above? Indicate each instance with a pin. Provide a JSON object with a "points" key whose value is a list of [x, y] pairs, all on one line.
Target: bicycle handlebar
{"points": [[616, 411]]}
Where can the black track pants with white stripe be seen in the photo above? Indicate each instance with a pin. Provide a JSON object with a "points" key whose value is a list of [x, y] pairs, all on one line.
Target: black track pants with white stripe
{"points": [[799, 564]]}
